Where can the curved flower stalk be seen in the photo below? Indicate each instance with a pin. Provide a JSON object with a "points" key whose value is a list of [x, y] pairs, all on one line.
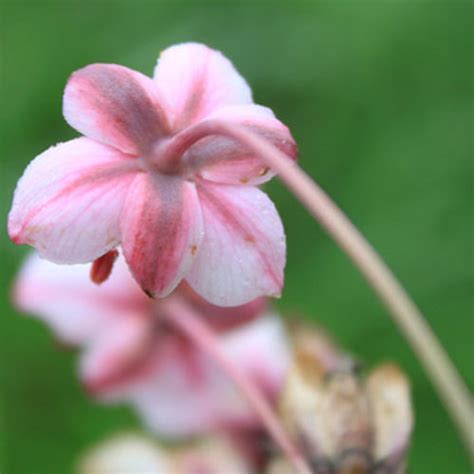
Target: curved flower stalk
{"points": [[193, 213], [132, 453], [191, 322], [131, 352], [345, 422], [446, 379]]}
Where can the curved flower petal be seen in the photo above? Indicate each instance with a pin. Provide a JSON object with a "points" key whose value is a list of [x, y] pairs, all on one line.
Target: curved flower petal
{"points": [[115, 358], [179, 397], [68, 201], [115, 105], [75, 308], [189, 394], [224, 160], [195, 80], [262, 349], [243, 252], [222, 318], [161, 231]]}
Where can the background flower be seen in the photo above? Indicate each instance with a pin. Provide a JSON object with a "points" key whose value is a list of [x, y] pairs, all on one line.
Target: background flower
{"points": [[131, 354]]}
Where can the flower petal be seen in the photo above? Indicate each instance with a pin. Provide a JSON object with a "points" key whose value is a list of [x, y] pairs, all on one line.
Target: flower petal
{"points": [[68, 201], [243, 252], [179, 399], [222, 318], [74, 307], [262, 349], [195, 80], [115, 105], [189, 394], [115, 358], [224, 160], [161, 231]]}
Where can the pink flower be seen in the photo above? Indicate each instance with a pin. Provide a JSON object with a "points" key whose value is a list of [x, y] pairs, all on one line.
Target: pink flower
{"points": [[130, 353], [179, 208]]}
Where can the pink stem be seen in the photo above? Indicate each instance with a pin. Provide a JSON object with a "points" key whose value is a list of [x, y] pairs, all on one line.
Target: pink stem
{"points": [[404, 312], [181, 315]]}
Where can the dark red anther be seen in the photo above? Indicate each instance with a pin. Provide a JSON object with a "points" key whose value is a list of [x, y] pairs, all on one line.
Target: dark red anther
{"points": [[102, 267]]}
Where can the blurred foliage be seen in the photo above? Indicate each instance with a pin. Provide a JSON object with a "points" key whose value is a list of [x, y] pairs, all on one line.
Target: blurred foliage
{"points": [[378, 95]]}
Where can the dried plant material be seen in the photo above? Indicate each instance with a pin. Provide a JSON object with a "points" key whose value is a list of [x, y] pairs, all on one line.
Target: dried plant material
{"points": [[126, 454], [280, 466], [132, 453], [345, 424], [211, 456], [392, 417]]}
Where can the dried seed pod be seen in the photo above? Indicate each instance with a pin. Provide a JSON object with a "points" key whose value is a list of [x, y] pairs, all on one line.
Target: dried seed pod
{"points": [[388, 390], [211, 455], [280, 466], [127, 452], [305, 384], [345, 424], [130, 453]]}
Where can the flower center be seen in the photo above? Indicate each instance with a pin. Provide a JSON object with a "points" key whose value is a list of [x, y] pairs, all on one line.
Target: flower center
{"points": [[164, 158]]}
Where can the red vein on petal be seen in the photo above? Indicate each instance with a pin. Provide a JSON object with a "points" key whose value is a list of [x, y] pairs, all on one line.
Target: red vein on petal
{"points": [[250, 235], [94, 175]]}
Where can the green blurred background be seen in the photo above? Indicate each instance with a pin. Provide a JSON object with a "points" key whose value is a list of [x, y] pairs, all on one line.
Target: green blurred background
{"points": [[379, 96]]}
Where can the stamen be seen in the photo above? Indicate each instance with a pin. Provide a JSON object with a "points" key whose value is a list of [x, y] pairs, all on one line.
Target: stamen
{"points": [[102, 267]]}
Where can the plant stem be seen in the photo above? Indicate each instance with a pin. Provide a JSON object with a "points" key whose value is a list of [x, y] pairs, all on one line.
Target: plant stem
{"points": [[179, 314], [436, 362]]}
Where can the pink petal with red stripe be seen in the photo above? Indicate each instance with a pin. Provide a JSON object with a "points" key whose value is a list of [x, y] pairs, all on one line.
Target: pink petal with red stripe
{"points": [[68, 202], [243, 252], [115, 105], [74, 307], [224, 160], [196, 80], [161, 231], [189, 394], [114, 358]]}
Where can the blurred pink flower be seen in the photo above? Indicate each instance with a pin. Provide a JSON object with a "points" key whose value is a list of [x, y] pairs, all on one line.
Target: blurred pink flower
{"points": [[179, 210], [132, 354]]}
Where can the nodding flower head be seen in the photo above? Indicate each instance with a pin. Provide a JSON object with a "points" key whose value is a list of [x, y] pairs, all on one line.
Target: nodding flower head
{"points": [[152, 174]]}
